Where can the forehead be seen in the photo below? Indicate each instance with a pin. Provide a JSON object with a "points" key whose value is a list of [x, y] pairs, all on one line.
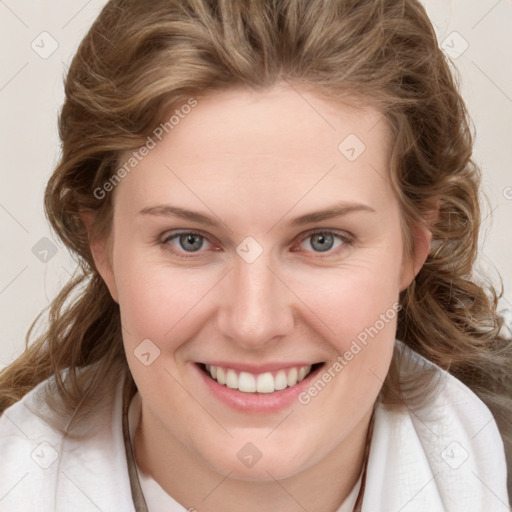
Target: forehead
{"points": [[243, 148]]}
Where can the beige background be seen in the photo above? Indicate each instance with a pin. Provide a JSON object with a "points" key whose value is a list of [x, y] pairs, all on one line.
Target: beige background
{"points": [[31, 93]]}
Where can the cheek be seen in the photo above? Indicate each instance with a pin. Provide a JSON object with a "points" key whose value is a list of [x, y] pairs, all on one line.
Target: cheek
{"points": [[360, 307], [353, 298], [158, 301]]}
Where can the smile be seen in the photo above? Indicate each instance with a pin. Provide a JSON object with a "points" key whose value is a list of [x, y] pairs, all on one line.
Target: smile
{"points": [[267, 382]]}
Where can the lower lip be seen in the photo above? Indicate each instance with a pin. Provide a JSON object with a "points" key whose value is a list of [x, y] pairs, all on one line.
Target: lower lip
{"points": [[257, 402]]}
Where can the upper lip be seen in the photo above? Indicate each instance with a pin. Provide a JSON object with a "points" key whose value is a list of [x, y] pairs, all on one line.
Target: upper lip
{"points": [[260, 368]]}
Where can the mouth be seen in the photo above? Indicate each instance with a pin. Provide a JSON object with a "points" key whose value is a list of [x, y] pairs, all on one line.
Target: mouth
{"points": [[260, 383]]}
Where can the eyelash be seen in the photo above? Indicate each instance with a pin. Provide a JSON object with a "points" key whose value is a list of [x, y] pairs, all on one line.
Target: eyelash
{"points": [[345, 238]]}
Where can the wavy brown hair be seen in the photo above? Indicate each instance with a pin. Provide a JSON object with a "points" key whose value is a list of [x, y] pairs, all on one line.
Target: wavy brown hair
{"points": [[143, 58]]}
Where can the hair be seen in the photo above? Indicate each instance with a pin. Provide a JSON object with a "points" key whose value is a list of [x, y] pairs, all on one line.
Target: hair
{"points": [[141, 59]]}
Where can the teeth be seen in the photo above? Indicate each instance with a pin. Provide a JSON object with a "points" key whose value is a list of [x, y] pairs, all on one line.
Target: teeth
{"points": [[280, 380], [262, 383], [291, 380], [231, 379], [303, 372], [265, 383], [246, 382]]}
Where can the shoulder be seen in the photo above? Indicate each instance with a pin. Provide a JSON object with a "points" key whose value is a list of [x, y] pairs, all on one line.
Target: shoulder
{"points": [[44, 469], [446, 456]]}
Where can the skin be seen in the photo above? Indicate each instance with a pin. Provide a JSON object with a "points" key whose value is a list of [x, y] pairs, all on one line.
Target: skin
{"points": [[256, 160]]}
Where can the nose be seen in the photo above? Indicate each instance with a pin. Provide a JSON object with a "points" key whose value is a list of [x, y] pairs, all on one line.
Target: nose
{"points": [[257, 306]]}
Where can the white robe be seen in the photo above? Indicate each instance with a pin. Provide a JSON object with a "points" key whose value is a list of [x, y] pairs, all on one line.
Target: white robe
{"points": [[452, 462]]}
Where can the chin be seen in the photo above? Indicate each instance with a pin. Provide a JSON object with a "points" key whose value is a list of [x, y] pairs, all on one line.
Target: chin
{"points": [[259, 461]]}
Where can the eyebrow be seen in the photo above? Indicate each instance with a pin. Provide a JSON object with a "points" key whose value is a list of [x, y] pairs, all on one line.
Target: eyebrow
{"points": [[337, 210]]}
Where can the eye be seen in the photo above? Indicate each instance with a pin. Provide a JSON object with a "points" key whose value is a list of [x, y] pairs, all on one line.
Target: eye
{"points": [[322, 241], [185, 241]]}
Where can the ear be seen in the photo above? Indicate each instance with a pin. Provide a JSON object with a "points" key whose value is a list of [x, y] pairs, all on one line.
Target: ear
{"points": [[421, 239], [100, 249]]}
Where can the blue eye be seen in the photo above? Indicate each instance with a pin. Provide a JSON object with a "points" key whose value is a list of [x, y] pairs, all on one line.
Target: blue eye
{"points": [[188, 241], [185, 243], [322, 241]]}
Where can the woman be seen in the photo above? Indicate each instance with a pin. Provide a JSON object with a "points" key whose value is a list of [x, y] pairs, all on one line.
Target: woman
{"points": [[276, 215]]}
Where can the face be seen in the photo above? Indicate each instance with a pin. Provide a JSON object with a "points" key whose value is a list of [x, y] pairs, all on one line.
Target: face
{"points": [[262, 321]]}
